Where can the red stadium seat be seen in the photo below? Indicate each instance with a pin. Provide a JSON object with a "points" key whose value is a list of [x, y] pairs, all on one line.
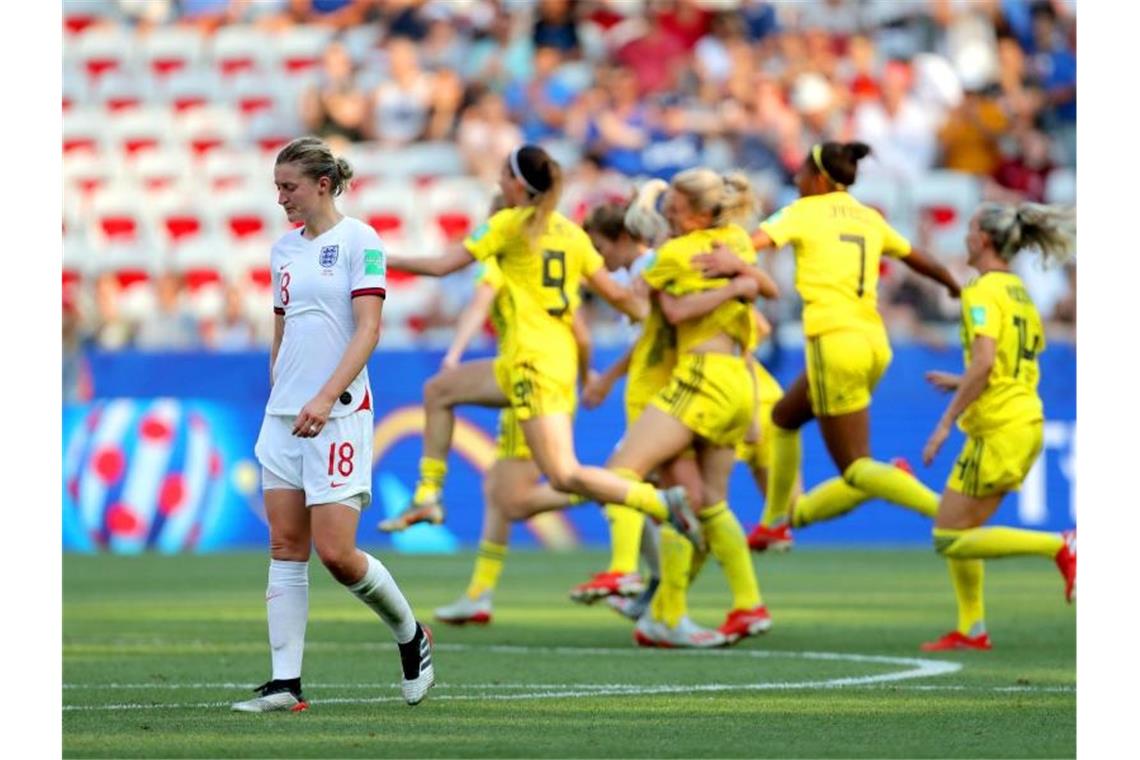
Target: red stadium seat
{"points": [[946, 200], [139, 130], [207, 129], [245, 216], [393, 210], [299, 52], [453, 207], [104, 49], [83, 130], [239, 49], [169, 50], [86, 173]]}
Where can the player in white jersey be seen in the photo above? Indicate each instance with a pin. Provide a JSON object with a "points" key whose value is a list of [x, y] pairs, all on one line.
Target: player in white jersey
{"points": [[315, 444]]}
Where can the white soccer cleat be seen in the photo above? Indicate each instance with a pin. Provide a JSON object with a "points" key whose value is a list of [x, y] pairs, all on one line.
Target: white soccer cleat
{"points": [[649, 632], [274, 697], [683, 518], [466, 610], [415, 658], [685, 635]]}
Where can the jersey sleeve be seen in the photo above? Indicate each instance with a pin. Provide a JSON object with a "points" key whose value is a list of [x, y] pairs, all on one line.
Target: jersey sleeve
{"points": [[781, 226], [663, 268], [489, 273], [981, 312], [486, 240], [894, 244], [591, 260], [368, 265]]}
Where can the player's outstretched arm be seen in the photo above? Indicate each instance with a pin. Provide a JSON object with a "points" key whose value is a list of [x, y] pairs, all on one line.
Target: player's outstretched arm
{"points": [[928, 267], [366, 316], [624, 299], [472, 318], [451, 260], [970, 386], [278, 334], [599, 385], [722, 262], [679, 309]]}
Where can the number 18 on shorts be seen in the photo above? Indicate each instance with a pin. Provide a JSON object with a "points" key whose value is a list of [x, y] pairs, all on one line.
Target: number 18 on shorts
{"points": [[333, 467]]}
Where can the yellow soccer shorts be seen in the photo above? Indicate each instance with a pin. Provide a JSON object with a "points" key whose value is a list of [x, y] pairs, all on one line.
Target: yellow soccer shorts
{"points": [[996, 461], [713, 395], [510, 442], [843, 368], [768, 392], [536, 387]]}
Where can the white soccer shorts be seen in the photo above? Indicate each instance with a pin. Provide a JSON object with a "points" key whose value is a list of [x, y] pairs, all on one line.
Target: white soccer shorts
{"points": [[334, 467]]}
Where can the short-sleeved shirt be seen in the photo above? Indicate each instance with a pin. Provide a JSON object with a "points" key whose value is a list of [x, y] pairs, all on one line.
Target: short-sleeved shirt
{"points": [[542, 278], [997, 306], [314, 283], [838, 243], [672, 271]]}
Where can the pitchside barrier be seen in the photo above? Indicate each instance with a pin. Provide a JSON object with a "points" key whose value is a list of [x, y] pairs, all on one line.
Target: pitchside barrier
{"points": [[162, 458]]}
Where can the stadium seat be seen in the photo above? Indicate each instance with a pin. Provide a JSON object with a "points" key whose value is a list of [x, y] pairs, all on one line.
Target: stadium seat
{"points": [[945, 200], [161, 171], [270, 131], [202, 130], [86, 174], [81, 15], [424, 160], [368, 164], [239, 48], [393, 210], [245, 215], [228, 169], [1061, 187], [119, 91], [83, 130], [76, 93], [252, 93], [180, 219], [117, 218], [169, 50], [104, 49], [202, 264], [888, 198], [299, 52], [183, 91], [138, 130], [452, 208]]}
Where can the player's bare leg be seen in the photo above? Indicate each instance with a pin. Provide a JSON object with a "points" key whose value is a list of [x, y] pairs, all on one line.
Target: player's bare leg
{"points": [[469, 383], [551, 442]]}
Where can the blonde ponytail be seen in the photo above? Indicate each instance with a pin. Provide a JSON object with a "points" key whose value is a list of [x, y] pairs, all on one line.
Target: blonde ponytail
{"points": [[1050, 230], [642, 218]]}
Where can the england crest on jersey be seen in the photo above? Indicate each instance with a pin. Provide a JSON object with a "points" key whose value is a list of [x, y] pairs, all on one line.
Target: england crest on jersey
{"points": [[329, 254]]}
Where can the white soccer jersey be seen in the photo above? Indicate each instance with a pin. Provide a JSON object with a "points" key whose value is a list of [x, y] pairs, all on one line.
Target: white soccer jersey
{"points": [[314, 282]]}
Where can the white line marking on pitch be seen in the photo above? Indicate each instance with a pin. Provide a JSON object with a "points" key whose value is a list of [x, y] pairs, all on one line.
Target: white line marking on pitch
{"points": [[916, 668]]}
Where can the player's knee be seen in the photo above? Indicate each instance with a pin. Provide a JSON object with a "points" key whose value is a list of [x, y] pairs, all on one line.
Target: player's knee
{"points": [[566, 477], [436, 391], [289, 545], [338, 559]]}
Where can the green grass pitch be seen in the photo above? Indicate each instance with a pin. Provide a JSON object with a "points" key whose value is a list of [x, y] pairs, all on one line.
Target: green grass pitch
{"points": [[155, 648]]}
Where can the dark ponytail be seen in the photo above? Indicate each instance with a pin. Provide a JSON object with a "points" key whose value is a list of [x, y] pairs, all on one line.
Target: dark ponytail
{"points": [[839, 162]]}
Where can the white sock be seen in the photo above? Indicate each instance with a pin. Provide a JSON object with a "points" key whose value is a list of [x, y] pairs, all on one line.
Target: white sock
{"points": [[651, 548], [287, 606], [379, 591]]}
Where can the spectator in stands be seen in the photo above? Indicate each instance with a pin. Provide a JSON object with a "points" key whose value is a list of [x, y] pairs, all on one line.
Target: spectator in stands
{"points": [[1022, 176], [555, 26], [683, 20], [539, 104], [405, 18], [170, 326], [443, 47], [620, 130], [497, 56], [673, 142], [1055, 65], [446, 99], [402, 102], [716, 55], [112, 328], [76, 375], [233, 332], [487, 136], [655, 57], [900, 132], [334, 107], [971, 134], [208, 15], [1020, 97], [339, 14]]}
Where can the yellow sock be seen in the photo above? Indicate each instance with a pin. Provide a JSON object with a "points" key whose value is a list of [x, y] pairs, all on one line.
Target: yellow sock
{"points": [[488, 567], [891, 483], [643, 496], [828, 500], [967, 576], [676, 557], [783, 466], [728, 544], [432, 473], [625, 537], [985, 543]]}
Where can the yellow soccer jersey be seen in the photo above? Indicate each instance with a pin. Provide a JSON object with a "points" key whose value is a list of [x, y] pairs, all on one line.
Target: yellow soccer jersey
{"points": [[838, 243], [653, 359], [542, 278], [502, 316], [996, 305], [672, 271]]}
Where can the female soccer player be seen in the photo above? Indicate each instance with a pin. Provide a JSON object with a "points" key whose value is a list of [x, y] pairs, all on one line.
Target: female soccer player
{"points": [[838, 243], [708, 402], [544, 257], [996, 405], [315, 444]]}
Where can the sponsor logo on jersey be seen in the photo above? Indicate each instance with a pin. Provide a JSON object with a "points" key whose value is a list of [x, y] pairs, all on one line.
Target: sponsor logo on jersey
{"points": [[374, 262], [329, 255]]}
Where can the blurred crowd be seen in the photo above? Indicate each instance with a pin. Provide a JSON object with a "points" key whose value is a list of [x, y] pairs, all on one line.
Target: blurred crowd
{"points": [[981, 93]]}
